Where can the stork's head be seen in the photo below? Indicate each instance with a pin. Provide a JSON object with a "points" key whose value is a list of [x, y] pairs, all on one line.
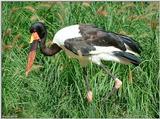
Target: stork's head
{"points": [[38, 28], [37, 31]]}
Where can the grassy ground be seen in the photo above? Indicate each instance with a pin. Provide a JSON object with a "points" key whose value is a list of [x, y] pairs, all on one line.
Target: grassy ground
{"points": [[55, 87]]}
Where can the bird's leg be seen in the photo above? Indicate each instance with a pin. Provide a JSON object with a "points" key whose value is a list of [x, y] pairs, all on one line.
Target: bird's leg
{"points": [[89, 92], [117, 84]]}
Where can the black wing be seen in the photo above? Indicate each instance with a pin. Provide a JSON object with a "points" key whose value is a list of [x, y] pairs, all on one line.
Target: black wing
{"points": [[79, 46], [93, 36], [100, 37]]}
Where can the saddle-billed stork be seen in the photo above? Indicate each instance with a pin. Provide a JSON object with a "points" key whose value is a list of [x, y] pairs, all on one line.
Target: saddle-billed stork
{"points": [[87, 43]]}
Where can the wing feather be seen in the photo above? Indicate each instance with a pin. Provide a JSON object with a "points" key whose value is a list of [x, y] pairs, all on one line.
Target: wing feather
{"points": [[95, 40]]}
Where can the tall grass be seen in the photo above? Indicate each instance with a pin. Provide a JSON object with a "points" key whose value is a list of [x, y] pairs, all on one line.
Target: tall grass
{"points": [[55, 87]]}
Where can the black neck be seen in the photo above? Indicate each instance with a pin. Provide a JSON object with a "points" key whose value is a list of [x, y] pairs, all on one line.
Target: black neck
{"points": [[52, 50]]}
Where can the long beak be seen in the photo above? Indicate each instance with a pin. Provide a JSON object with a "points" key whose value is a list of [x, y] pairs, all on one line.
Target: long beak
{"points": [[32, 54]]}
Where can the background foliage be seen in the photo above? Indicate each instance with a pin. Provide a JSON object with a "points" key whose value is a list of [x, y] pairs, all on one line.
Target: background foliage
{"points": [[55, 87]]}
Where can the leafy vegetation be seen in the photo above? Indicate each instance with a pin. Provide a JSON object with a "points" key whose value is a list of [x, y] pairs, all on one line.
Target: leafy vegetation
{"points": [[55, 86]]}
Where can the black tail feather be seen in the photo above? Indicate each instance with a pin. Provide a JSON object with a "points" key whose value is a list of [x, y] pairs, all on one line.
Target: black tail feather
{"points": [[130, 57], [134, 45]]}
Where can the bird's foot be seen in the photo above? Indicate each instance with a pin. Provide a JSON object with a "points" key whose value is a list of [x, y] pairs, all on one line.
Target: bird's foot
{"points": [[89, 96], [117, 85]]}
